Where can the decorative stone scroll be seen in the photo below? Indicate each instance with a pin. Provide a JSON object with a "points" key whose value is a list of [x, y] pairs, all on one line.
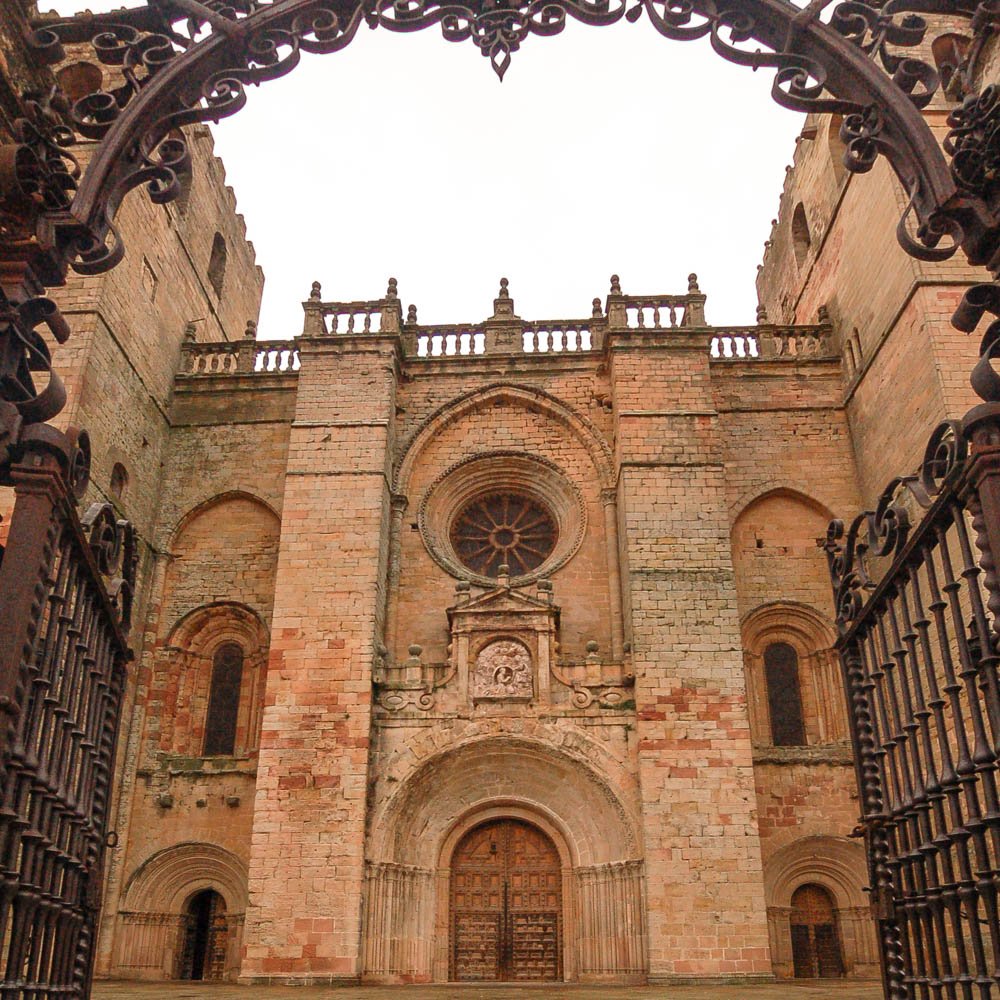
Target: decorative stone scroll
{"points": [[503, 670]]}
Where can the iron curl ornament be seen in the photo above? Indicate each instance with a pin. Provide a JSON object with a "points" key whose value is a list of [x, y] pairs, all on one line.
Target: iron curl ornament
{"points": [[176, 63], [883, 533]]}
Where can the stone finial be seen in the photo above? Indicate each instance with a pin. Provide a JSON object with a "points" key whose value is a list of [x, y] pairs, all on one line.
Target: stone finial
{"points": [[592, 655], [463, 591], [503, 576], [250, 333], [503, 307], [411, 314], [616, 285], [596, 311], [823, 314], [761, 313], [317, 292], [190, 332], [545, 590], [391, 291], [415, 650], [693, 282]]}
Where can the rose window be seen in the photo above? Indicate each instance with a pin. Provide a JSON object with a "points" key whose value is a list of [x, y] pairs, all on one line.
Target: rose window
{"points": [[503, 529]]}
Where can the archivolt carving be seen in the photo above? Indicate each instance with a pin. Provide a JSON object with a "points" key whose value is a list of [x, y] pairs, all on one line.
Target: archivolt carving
{"points": [[410, 825], [164, 882], [487, 396], [813, 630], [833, 862]]}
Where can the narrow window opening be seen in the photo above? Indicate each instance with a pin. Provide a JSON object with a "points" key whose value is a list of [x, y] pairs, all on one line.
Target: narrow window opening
{"points": [[119, 481], [800, 234], [224, 700], [781, 668], [217, 264], [837, 148]]}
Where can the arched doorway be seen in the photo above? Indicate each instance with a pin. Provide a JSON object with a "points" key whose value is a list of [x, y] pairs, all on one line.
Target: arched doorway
{"points": [[505, 914], [204, 937], [816, 949]]}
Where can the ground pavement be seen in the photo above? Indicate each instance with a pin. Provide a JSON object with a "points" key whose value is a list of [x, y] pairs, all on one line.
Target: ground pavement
{"points": [[800, 990]]}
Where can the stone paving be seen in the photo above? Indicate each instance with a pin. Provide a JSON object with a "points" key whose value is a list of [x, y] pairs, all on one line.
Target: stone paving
{"points": [[800, 990]]}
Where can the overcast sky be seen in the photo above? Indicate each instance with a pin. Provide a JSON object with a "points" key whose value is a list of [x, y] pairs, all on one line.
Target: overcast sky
{"points": [[604, 150]]}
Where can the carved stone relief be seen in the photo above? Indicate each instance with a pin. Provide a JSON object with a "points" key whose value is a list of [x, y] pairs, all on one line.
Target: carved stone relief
{"points": [[503, 670]]}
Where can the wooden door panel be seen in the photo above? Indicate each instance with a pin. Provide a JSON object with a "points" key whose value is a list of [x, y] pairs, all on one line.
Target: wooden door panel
{"points": [[506, 905], [477, 946]]}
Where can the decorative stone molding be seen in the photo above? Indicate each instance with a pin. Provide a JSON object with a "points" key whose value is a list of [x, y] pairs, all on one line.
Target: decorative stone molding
{"points": [[483, 398], [527, 475]]}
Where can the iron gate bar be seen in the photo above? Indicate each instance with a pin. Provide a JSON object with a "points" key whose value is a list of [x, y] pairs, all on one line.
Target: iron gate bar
{"points": [[920, 664], [63, 675]]}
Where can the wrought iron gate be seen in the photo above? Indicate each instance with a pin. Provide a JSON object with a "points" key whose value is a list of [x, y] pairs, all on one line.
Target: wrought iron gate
{"points": [[918, 646], [65, 591]]}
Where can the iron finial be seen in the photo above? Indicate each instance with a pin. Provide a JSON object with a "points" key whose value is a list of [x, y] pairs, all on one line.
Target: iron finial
{"points": [[390, 292], [411, 314], [693, 282], [316, 293], [616, 285]]}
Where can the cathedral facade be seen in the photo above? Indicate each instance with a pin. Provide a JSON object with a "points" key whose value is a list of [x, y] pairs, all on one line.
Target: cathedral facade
{"points": [[499, 650]]}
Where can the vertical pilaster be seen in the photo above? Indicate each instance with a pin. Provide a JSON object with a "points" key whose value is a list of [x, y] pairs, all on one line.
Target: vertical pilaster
{"points": [[307, 852], [703, 866]]}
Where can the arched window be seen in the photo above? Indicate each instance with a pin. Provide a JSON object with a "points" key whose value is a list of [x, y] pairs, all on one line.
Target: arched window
{"points": [[217, 263], [800, 234], [205, 940], [816, 951], [784, 699], [223, 700]]}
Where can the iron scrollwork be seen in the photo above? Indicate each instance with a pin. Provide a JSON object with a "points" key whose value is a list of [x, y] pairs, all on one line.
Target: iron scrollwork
{"points": [[175, 63], [883, 533], [497, 27]]}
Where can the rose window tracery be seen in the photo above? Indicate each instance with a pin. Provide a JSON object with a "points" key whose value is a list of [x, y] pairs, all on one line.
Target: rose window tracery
{"points": [[503, 529]]}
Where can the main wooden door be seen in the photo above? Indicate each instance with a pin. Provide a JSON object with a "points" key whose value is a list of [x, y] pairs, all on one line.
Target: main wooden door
{"points": [[506, 905]]}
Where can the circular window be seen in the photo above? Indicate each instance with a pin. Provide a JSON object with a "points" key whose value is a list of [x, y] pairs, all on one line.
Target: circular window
{"points": [[502, 509], [503, 529]]}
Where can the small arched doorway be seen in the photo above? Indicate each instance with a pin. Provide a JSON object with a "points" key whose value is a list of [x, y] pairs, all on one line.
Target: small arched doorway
{"points": [[505, 919], [816, 950], [204, 937]]}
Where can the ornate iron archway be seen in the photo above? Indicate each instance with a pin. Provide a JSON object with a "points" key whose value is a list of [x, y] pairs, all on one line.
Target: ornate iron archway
{"points": [[185, 61]]}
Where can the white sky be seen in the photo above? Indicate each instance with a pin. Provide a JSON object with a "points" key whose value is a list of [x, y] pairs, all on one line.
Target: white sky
{"points": [[604, 150]]}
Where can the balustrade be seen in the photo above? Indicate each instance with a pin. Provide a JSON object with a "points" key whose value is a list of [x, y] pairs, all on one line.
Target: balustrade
{"points": [[747, 343], [352, 317], [562, 336], [657, 312], [450, 341], [236, 358]]}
